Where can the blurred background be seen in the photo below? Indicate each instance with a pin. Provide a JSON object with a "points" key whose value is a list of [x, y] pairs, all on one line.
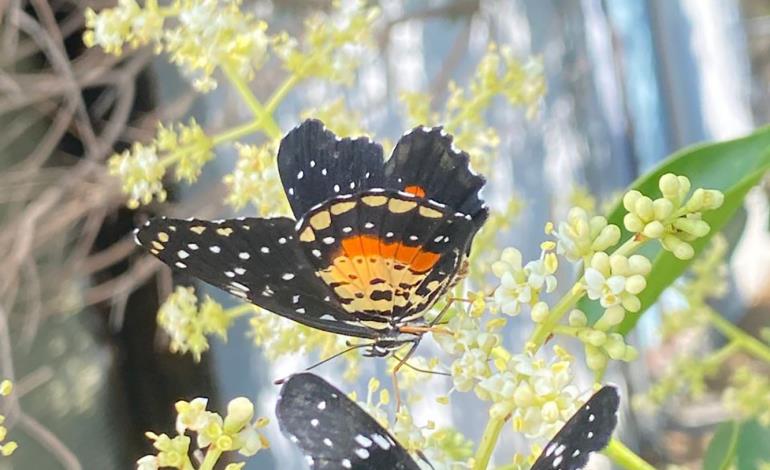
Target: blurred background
{"points": [[629, 82]]}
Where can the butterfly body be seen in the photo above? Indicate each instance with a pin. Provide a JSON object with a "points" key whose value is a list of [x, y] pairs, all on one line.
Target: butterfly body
{"points": [[373, 244]]}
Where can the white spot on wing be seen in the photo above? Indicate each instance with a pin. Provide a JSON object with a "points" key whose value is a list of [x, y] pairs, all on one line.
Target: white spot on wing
{"points": [[363, 453], [287, 276], [363, 440], [182, 254], [244, 255], [321, 405], [381, 441], [215, 249]]}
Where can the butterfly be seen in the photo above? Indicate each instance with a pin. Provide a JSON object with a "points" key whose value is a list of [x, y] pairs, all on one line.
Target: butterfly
{"points": [[334, 432], [373, 244]]}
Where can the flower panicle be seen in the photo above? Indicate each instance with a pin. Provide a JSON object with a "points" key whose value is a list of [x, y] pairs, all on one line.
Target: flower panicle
{"points": [[142, 168], [6, 447], [189, 324], [237, 431], [674, 218]]}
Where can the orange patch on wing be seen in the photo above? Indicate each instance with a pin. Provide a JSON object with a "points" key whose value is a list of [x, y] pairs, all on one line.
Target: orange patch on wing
{"points": [[367, 245], [416, 190]]}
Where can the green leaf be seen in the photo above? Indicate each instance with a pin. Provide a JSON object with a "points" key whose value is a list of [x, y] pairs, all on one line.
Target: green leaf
{"points": [[723, 447], [732, 167], [743, 444]]}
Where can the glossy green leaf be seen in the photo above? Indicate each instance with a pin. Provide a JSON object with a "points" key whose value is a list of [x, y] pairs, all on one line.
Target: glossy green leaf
{"points": [[732, 167], [742, 444], [722, 449]]}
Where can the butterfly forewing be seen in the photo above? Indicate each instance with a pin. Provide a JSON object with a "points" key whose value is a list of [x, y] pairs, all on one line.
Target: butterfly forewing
{"points": [[333, 431], [588, 430], [315, 165], [258, 260]]}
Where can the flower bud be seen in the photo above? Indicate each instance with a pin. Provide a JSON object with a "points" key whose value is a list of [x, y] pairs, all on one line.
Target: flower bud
{"points": [[608, 236], [633, 223], [550, 411], [639, 264], [630, 354], [631, 303], [539, 312], [595, 358], [593, 337], [615, 346], [680, 249], [6, 387], [663, 208], [644, 209], [635, 284], [577, 318], [239, 412], [613, 315], [669, 186], [654, 229], [695, 227], [630, 198], [684, 186], [619, 264], [601, 262]]}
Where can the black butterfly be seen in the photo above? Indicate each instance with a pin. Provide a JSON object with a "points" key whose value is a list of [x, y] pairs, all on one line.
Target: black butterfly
{"points": [[374, 245], [335, 433]]}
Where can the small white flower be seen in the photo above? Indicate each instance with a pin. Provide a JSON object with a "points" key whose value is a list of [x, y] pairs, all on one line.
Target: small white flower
{"points": [[250, 440], [606, 290], [191, 415], [148, 462]]}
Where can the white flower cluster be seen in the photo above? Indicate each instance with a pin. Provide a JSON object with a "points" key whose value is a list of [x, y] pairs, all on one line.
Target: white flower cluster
{"points": [[523, 285], [580, 236], [538, 395], [235, 432]]}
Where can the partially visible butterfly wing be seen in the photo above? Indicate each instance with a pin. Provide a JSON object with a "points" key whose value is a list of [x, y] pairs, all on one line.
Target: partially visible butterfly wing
{"points": [[259, 260], [333, 431], [384, 252], [315, 165], [588, 430], [426, 162]]}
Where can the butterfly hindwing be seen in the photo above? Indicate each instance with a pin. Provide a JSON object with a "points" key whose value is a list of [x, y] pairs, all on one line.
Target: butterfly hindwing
{"points": [[588, 430], [259, 260], [315, 165], [333, 431], [426, 162], [384, 252]]}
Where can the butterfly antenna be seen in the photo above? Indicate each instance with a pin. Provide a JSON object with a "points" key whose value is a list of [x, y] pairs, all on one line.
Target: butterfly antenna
{"points": [[424, 371], [336, 355]]}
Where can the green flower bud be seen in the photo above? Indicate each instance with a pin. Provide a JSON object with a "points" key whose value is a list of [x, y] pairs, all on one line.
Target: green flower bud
{"points": [[239, 412], [577, 318], [630, 198], [592, 337], [684, 186], [631, 354], [644, 209], [595, 358], [695, 227], [679, 248], [654, 229], [663, 208], [613, 315], [635, 284], [608, 236], [633, 223], [631, 303], [639, 264], [539, 312], [619, 264], [669, 186], [615, 346]]}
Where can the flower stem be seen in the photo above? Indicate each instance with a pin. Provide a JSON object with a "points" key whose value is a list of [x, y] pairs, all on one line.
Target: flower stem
{"points": [[212, 456], [488, 443], [624, 457], [544, 329], [264, 117], [239, 310], [745, 341]]}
